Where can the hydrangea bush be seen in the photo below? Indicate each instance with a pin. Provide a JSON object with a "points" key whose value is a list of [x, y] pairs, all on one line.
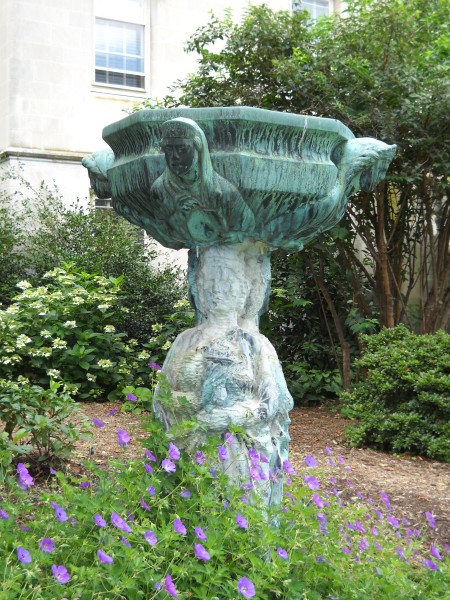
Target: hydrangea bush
{"points": [[170, 526], [62, 330]]}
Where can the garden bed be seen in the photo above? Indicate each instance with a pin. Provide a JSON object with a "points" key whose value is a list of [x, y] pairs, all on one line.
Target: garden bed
{"points": [[414, 485]]}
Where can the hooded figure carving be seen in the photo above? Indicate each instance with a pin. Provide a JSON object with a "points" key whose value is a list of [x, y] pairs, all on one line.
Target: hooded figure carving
{"points": [[197, 206]]}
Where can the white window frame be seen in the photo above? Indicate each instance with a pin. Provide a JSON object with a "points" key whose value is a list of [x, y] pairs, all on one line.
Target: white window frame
{"points": [[311, 6], [121, 12]]}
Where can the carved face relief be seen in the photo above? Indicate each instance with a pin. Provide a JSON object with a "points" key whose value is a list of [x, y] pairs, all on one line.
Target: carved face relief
{"points": [[180, 154]]}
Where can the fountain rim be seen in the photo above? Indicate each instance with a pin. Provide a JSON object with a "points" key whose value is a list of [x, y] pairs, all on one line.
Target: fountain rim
{"points": [[233, 113]]}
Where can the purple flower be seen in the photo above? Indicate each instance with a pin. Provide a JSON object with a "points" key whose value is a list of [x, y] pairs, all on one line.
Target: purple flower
{"points": [[150, 455], [318, 500], [98, 422], [431, 565], [385, 499], [377, 545], [52, 471], [104, 558], [168, 466], [151, 490], [222, 452], [112, 412], [179, 527], [185, 493], [200, 458], [374, 531], [431, 520], [282, 553], [131, 397], [345, 550], [60, 573], [174, 453], [400, 552], [320, 559], [241, 522], [364, 544], [254, 473], [150, 537], [123, 437], [23, 555], [287, 467], [435, 552], [310, 461], [85, 484], [3, 514], [311, 482], [341, 460], [125, 542], [359, 526], [392, 520], [25, 479], [328, 450], [263, 458], [99, 520], [155, 366], [144, 504], [229, 438], [148, 468], [200, 552], [200, 533], [170, 586], [60, 513], [322, 518], [118, 522], [46, 545], [254, 456], [246, 587]]}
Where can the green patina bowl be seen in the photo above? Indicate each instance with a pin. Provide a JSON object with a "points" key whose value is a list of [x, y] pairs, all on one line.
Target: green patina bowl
{"points": [[294, 172]]}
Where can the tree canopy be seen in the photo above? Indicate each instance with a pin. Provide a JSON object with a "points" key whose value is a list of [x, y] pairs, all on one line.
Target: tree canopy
{"points": [[381, 68]]}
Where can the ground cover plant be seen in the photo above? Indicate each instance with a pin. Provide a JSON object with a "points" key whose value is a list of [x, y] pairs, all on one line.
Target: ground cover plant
{"points": [[170, 525], [402, 405]]}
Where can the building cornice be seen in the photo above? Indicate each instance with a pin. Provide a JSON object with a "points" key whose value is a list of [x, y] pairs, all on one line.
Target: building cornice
{"points": [[48, 155]]}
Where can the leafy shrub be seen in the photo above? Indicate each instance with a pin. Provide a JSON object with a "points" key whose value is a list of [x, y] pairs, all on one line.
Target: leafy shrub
{"points": [[101, 242], [39, 232], [36, 421], [143, 531], [403, 403], [62, 330]]}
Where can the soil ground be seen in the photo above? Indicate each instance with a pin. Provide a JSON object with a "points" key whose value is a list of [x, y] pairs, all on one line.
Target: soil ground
{"points": [[414, 485]]}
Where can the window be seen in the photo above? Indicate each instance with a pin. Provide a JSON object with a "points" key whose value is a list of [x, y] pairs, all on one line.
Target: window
{"points": [[119, 43], [317, 8]]}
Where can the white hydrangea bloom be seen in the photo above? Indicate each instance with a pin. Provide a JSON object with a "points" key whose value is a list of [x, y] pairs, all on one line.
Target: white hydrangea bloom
{"points": [[104, 363], [59, 343]]}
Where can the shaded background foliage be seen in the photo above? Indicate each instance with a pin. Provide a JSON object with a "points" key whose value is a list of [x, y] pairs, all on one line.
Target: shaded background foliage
{"points": [[382, 70]]}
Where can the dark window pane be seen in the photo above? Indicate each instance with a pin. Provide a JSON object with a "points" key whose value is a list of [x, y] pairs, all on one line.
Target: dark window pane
{"points": [[100, 76]]}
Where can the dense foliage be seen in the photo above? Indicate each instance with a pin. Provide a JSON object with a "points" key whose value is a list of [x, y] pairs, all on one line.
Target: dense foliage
{"points": [[403, 403], [170, 525], [62, 329], [38, 422], [40, 232]]}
